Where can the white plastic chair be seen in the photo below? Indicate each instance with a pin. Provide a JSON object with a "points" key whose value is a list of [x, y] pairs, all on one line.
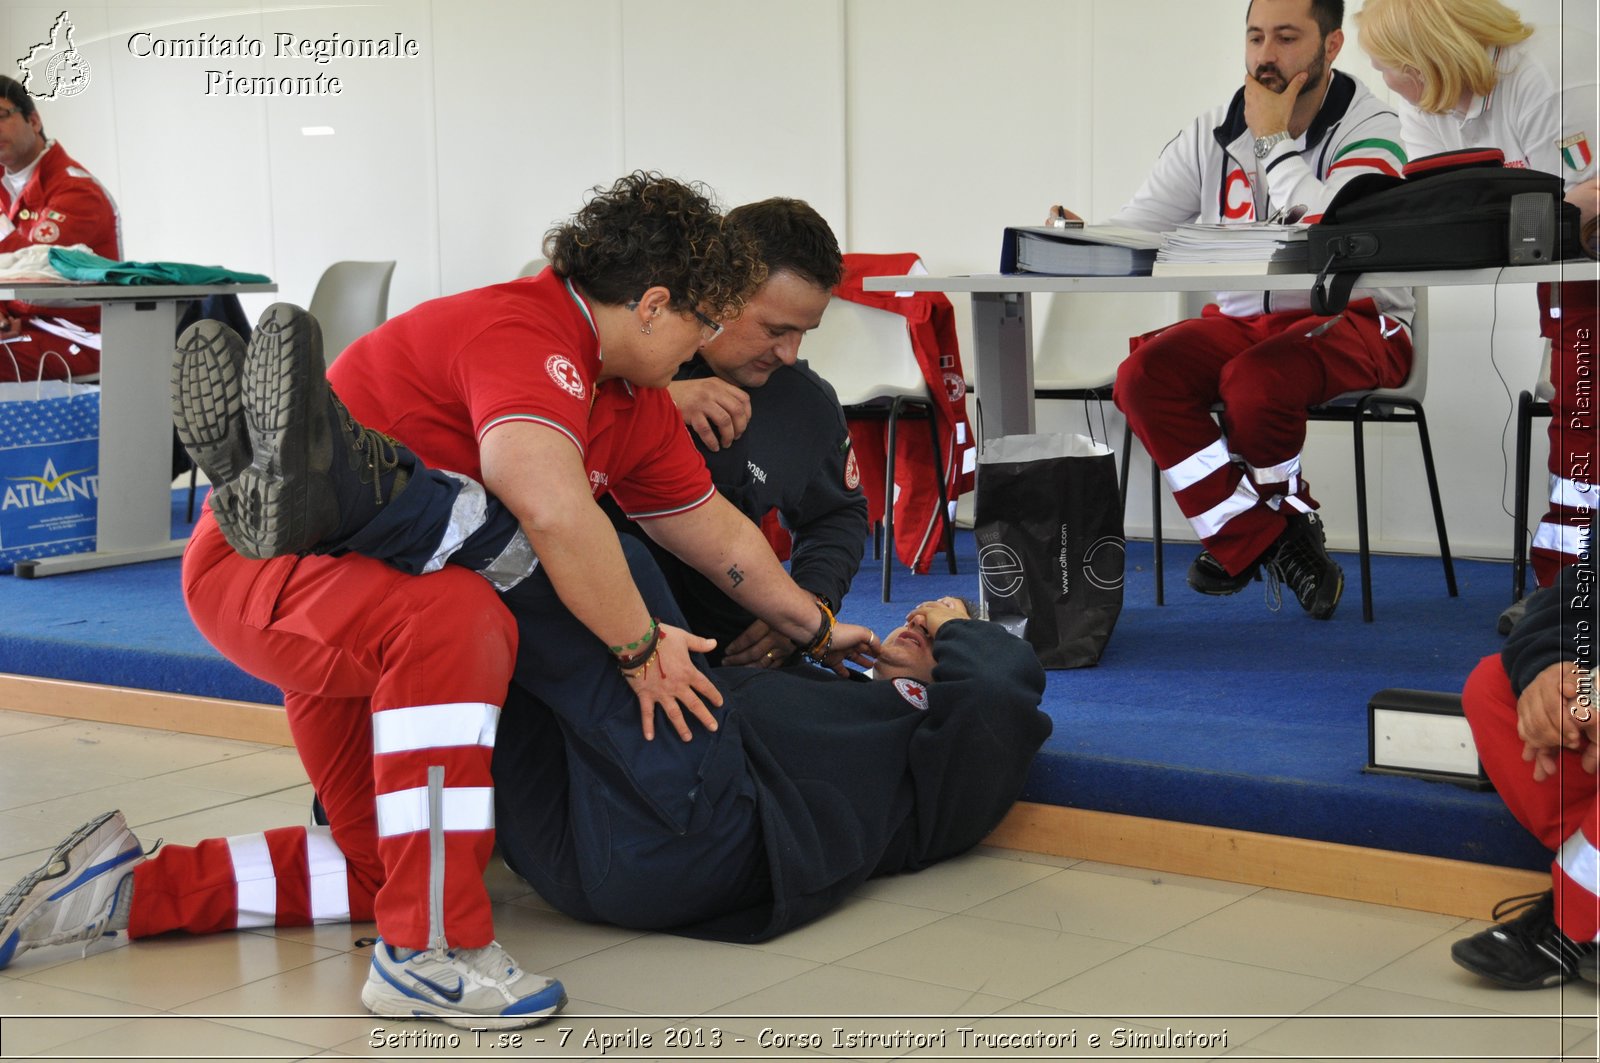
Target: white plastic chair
{"points": [[866, 354], [352, 299]]}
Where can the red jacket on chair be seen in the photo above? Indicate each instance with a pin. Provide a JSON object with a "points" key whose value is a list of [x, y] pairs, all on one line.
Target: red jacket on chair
{"points": [[918, 524]]}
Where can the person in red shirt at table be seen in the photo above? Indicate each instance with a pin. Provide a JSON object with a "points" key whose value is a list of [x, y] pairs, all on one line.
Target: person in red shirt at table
{"points": [[46, 199]]}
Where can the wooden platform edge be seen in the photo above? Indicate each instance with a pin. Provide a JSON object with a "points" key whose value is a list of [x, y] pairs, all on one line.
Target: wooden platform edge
{"points": [[1401, 880], [1379, 876], [244, 721]]}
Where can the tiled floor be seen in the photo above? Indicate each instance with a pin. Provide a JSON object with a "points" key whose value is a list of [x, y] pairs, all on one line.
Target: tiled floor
{"points": [[996, 954]]}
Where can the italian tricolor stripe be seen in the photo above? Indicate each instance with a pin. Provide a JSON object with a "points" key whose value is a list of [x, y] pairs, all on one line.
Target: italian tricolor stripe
{"points": [[1372, 153], [1367, 162]]}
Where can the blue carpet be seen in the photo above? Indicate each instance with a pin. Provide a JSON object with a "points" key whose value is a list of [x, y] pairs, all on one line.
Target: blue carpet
{"points": [[1211, 711]]}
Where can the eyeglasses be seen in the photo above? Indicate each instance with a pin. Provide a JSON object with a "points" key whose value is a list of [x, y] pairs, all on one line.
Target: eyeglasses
{"points": [[713, 328]]}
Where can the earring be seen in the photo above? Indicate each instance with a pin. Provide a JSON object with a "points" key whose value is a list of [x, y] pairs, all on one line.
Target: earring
{"points": [[645, 330]]}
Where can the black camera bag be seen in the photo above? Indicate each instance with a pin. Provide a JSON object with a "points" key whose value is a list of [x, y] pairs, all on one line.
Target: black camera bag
{"points": [[1449, 211]]}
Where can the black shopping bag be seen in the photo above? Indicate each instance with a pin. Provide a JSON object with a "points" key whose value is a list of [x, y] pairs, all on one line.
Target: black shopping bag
{"points": [[1050, 543]]}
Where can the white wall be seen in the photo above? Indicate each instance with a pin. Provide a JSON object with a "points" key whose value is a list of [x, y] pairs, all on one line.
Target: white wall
{"points": [[921, 125]]}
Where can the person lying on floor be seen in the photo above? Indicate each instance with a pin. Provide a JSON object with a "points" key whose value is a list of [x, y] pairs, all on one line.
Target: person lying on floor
{"points": [[811, 783]]}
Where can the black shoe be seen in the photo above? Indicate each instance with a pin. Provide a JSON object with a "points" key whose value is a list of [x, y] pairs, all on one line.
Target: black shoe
{"points": [[1511, 616], [296, 494], [207, 410], [1300, 560], [1207, 576], [1528, 951]]}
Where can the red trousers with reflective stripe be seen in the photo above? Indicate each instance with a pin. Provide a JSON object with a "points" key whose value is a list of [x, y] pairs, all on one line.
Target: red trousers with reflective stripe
{"points": [[202, 888], [1563, 812], [1266, 371], [1574, 429], [348, 639]]}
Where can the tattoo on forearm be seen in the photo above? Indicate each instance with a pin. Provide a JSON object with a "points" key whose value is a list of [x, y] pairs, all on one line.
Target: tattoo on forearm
{"points": [[735, 575]]}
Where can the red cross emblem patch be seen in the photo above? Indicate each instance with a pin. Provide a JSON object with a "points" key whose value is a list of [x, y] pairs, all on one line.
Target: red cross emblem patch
{"points": [[913, 691], [565, 374]]}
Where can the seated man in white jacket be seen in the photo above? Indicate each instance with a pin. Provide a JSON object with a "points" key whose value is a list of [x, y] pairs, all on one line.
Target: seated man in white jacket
{"points": [[1290, 137]]}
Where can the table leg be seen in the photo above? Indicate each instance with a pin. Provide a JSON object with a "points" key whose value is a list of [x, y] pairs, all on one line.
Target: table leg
{"points": [[1002, 337]]}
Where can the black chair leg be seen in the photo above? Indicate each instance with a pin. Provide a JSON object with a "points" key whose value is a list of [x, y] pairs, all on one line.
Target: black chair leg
{"points": [[1127, 461], [1519, 498], [1363, 541], [1155, 532], [888, 497], [1438, 506], [194, 478]]}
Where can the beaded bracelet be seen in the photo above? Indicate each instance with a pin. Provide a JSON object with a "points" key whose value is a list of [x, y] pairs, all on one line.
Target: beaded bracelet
{"points": [[626, 661], [649, 636], [822, 641]]}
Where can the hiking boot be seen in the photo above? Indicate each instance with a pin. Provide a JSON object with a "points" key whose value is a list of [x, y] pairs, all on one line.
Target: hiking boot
{"points": [[1299, 559], [1527, 951], [206, 407], [1207, 576], [315, 473], [466, 988], [82, 891]]}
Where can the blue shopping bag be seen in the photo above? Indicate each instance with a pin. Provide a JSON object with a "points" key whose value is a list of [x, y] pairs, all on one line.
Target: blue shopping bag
{"points": [[49, 469]]}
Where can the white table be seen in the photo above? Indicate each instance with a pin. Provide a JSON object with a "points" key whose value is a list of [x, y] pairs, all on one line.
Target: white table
{"points": [[137, 332], [1002, 316]]}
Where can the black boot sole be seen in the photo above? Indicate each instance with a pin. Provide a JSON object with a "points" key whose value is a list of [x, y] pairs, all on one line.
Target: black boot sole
{"points": [[271, 508], [207, 409], [1221, 591]]}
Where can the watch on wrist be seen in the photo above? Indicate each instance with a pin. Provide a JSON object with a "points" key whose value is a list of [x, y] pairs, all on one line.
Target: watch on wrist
{"points": [[1264, 145]]}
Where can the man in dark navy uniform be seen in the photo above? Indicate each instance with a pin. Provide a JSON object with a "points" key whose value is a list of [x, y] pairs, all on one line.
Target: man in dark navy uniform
{"points": [[772, 433], [811, 784]]}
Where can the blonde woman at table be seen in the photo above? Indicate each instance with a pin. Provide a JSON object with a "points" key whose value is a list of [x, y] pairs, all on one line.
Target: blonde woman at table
{"points": [[1474, 75]]}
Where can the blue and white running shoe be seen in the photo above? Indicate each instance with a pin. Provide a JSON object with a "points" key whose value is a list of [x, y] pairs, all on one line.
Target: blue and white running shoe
{"points": [[467, 988], [79, 893]]}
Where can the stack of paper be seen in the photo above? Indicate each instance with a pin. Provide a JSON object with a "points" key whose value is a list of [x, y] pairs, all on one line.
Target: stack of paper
{"points": [[1232, 249], [1089, 251]]}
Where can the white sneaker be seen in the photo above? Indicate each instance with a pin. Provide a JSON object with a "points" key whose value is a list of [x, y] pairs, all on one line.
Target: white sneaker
{"points": [[466, 988], [79, 893]]}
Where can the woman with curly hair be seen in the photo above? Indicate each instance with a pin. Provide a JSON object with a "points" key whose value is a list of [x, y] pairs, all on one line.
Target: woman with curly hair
{"points": [[550, 391], [1474, 75]]}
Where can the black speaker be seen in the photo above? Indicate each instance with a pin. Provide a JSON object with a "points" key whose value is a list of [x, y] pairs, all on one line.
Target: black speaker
{"points": [[1533, 229]]}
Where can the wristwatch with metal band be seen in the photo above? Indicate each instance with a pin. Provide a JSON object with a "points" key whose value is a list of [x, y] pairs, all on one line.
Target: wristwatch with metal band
{"points": [[1264, 145]]}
